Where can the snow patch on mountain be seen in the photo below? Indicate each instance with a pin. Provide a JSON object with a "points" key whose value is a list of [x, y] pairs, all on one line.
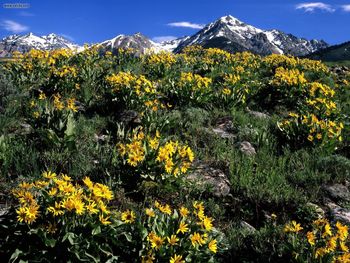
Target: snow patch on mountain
{"points": [[24, 43]]}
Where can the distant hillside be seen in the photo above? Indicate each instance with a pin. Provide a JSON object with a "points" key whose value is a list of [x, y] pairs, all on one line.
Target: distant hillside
{"points": [[334, 53]]}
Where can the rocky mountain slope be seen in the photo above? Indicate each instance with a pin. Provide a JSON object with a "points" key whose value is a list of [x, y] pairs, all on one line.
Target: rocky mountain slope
{"points": [[137, 42], [24, 43], [227, 33], [334, 53], [233, 35]]}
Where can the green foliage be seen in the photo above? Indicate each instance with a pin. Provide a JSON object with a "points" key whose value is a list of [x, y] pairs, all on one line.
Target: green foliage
{"points": [[140, 124]]}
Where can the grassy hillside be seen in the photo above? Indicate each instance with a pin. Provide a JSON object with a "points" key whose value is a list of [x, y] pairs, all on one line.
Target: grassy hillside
{"points": [[337, 53], [203, 156]]}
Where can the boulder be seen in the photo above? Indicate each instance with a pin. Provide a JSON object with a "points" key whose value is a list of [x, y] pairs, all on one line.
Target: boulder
{"points": [[338, 213], [247, 148], [224, 128], [338, 192], [209, 178]]}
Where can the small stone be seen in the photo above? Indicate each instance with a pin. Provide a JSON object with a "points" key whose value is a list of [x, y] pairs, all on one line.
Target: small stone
{"points": [[206, 177], [25, 129], [246, 226], [100, 137], [224, 128], [223, 134], [258, 114], [3, 210], [130, 117], [247, 148]]}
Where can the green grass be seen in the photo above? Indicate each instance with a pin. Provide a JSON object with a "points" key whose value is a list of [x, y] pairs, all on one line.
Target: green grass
{"points": [[338, 63]]}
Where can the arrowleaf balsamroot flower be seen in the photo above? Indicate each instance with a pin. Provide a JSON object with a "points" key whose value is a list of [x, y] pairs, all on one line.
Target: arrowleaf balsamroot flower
{"points": [[128, 216]]}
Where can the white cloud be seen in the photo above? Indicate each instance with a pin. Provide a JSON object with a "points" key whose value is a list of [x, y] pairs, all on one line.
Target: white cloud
{"points": [[312, 6], [13, 26], [346, 8], [163, 38], [186, 24]]}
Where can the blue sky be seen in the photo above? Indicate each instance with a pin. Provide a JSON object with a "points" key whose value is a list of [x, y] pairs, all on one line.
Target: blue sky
{"points": [[88, 21]]}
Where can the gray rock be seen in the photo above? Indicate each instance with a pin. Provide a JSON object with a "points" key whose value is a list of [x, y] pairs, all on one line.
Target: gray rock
{"points": [[25, 129], [338, 192], [4, 209], [130, 117], [246, 226], [206, 177], [339, 213], [223, 134], [257, 114], [101, 137], [224, 128], [247, 148]]}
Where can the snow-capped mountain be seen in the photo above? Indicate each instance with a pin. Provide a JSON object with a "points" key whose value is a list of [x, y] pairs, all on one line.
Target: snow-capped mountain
{"points": [[138, 42], [233, 35], [227, 33], [170, 45], [24, 43]]}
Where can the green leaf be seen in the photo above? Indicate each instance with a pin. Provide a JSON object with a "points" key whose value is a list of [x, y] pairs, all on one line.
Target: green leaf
{"points": [[92, 257], [50, 242], [96, 230], [70, 236], [127, 236], [70, 129], [15, 255]]}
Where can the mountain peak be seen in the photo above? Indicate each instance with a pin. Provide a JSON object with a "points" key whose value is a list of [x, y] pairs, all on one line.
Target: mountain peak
{"points": [[233, 35], [24, 43], [228, 18]]}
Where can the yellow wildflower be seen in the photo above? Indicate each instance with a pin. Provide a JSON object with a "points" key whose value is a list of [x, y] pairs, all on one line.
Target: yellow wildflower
{"points": [[176, 259], [183, 228], [128, 216], [213, 246], [173, 240]]}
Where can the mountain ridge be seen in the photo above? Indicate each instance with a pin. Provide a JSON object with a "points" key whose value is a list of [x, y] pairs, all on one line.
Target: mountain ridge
{"points": [[231, 34], [340, 52], [227, 33]]}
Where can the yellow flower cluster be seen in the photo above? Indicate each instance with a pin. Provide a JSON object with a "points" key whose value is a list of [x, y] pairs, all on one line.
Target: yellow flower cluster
{"points": [[65, 198], [325, 240], [167, 156], [246, 60], [57, 103], [154, 105], [293, 227], [33, 57], [231, 80], [276, 60], [164, 59], [175, 159], [195, 82], [127, 80], [318, 129], [65, 71], [289, 77], [205, 57], [171, 230]]}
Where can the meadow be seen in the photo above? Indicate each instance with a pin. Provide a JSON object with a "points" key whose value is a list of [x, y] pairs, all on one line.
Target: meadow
{"points": [[114, 157]]}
